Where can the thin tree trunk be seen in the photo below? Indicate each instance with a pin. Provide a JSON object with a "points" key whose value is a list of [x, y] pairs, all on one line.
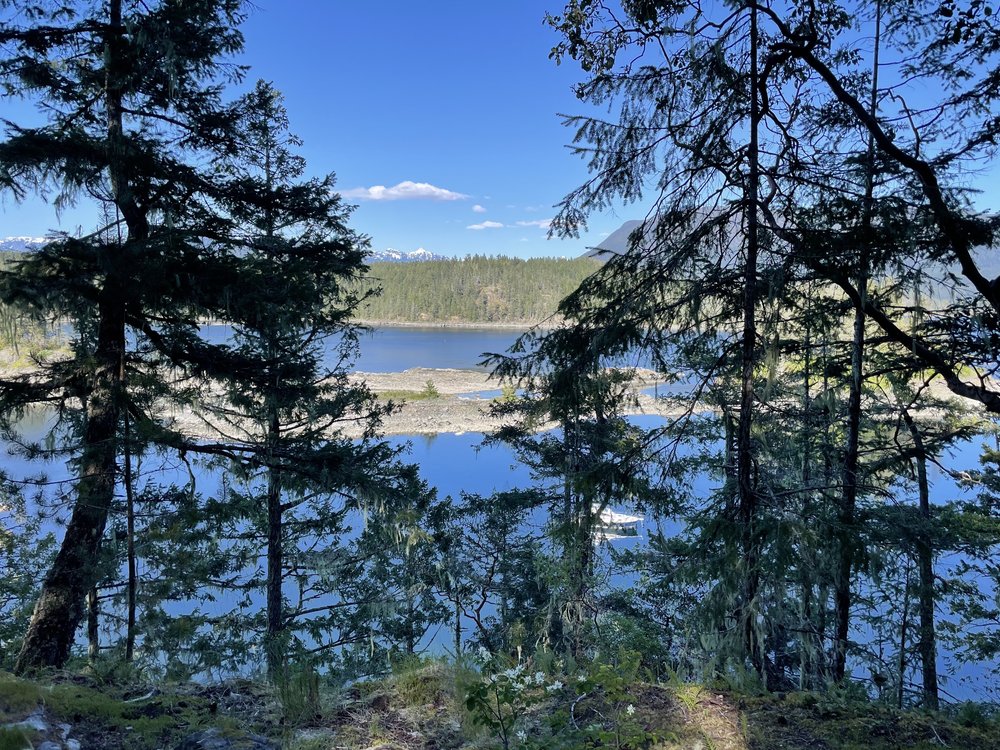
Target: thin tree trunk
{"points": [[849, 497], [93, 623], [275, 619], [904, 625], [806, 557], [848, 504], [130, 531], [747, 492], [823, 591], [411, 635], [925, 562]]}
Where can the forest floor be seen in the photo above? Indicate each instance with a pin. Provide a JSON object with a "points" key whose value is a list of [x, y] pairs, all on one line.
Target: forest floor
{"points": [[424, 709]]}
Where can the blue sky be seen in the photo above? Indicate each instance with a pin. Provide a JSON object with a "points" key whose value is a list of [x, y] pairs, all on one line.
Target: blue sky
{"points": [[440, 119]]}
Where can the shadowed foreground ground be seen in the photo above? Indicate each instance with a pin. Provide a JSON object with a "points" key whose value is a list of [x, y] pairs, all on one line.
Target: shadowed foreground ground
{"points": [[423, 708]]}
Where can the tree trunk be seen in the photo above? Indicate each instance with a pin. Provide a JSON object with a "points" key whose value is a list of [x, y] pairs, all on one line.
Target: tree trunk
{"points": [[903, 627], [806, 565], [93, 626], [848, 503], [133, 573], [925, 562], [275, 618], [74, 572], [849, 496], [59, 608], [747, 492]]}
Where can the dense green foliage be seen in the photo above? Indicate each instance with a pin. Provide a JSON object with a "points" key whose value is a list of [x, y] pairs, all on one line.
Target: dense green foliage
{"points": [[201, 212], [475, 289], [782, 278]]}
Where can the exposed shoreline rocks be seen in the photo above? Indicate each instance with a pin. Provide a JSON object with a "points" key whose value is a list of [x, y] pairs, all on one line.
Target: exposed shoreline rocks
{"points": [[463, 400]]}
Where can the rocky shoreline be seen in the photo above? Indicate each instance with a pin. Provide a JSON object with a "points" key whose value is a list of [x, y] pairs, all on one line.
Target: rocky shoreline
{"points": [[463, 400]]}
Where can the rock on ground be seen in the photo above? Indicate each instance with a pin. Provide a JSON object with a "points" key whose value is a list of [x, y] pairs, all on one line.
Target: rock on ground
{"points": [[214, 739]]}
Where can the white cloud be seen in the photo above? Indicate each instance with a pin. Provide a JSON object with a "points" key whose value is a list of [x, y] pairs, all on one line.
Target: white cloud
{"points": [[478, 209], [486, 225], [406, 190], [540, 223]]}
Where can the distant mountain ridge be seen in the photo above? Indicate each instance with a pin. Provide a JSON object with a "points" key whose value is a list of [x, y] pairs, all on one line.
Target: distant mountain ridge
{"points": [[987, 258], [389, 255], [615, 243], [22, 244]]}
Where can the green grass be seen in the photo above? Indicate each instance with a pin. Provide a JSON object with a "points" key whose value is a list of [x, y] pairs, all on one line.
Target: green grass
{"points": [[147, 722], [426, 697], [400, 395], [16, 738]]}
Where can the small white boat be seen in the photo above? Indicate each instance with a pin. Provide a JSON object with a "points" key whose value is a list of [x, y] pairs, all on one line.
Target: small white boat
{"points": [[612, 525]]}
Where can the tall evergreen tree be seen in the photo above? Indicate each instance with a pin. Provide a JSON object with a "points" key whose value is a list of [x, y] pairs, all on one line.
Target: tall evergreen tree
{"points": [[591, 459], [684, 137], [134, 122], [293, 316]]}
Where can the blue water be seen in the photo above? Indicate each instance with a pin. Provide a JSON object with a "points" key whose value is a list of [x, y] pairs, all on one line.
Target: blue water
{"points": [[393, 349], [454, 463]]}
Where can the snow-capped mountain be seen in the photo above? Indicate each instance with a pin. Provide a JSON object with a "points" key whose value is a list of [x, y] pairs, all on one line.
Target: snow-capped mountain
{"points": [[21, 244], [390, 255], [27, 244]]}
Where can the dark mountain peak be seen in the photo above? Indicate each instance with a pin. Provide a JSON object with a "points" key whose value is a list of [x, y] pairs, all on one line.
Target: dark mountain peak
{"points": [[615, 243]]}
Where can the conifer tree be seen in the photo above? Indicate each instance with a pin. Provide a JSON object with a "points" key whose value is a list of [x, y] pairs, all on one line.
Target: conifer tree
{"points": [[294, 317], [135, 124], [592, 458]]}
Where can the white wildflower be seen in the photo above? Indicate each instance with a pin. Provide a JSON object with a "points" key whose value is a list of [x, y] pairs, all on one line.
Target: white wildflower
{"points": [[581, 677], [539, 678], [555, 686], [630, 709], [521, 735]]}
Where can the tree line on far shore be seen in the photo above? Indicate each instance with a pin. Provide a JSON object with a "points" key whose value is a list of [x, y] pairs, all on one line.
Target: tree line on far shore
{"points": [[474, 289]]}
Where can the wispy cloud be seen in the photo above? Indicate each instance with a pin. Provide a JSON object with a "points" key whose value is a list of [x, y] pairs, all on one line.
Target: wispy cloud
{"points": [[540, 223], [479, 209], [404, 191], [486, 225]]}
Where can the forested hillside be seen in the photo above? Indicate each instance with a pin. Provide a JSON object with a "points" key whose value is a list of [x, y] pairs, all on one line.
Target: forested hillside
{"points": [[475, 289]]}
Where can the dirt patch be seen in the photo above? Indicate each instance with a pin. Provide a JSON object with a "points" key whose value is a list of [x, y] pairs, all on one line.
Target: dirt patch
{"points": [[446, 381]]}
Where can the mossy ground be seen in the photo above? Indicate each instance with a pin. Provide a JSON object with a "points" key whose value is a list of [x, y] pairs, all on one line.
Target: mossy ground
{"points": [[423, 707], [112, 717]]}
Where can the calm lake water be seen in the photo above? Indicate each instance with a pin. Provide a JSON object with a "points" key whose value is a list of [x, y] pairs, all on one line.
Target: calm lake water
{"points": [[393, 349], [458, 462]]}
